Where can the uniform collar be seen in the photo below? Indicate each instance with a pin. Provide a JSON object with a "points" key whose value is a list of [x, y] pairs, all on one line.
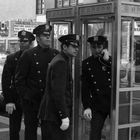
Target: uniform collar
{"points": [[94, 57], [43, 49], [65, 56], [20, 52]]}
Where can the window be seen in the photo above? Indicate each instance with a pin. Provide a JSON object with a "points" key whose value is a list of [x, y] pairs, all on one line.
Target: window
{"points": [[40, 7], [65, 3]]}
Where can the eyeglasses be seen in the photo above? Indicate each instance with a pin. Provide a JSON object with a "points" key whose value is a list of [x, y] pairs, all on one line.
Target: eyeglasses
{"points": [[74, 45], [46, 36], [21, 40], [97, 45]]}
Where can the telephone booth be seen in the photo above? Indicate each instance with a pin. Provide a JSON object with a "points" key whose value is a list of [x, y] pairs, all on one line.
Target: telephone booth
{"points": [[95, 19], [119, 21], [126, 80]]}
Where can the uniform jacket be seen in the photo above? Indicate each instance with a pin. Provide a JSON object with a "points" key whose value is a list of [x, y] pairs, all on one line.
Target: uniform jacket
{"points": [[8, 78], [96, 84], [31, 72], [57, 101]]}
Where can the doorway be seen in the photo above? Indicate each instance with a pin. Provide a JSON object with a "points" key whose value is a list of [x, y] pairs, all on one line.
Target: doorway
{"points": [[95, 28]]}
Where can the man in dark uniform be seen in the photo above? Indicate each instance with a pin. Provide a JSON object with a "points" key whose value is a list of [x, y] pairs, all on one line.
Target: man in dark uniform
{"points": [[56, 106], [96, 85], [11, 98], [30, 78]]}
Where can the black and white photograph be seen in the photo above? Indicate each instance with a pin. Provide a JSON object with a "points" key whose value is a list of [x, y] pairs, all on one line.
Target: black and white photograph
{"points": [[69, 69]]}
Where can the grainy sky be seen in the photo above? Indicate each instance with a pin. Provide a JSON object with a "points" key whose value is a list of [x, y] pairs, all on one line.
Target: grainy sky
{"points": [[17, 9]]}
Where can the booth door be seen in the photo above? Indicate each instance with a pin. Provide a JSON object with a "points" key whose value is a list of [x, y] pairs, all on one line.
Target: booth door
{"points": [[93, 28]]}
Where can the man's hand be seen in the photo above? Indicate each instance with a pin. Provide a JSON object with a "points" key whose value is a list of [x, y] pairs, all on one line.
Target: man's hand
{"points": [[88, 114], [10, 107], [105, 54], [65, 124]]}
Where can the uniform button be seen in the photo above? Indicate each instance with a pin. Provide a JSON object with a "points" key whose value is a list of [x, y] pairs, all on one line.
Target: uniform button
{"points": [[109, 79], [60, 113], [109, 86], [41, 89], [37, 63], [34, 54], [87, 63], [108, 72], [94, 82], [16, 59], [40, 81], [89, 69], [97, 89], [38, 71], [92, 75]]}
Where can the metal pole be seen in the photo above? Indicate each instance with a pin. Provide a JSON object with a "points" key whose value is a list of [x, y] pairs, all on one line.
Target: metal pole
{"points": [[115, 70]]}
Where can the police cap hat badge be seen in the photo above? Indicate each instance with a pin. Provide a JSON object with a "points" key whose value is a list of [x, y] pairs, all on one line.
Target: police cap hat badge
{"points": [[25, 35], [42, 29], [70, 38]]}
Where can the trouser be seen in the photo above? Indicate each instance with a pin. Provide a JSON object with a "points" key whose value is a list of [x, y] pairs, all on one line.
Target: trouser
{"points": [[30, 121], [15, 123], [97, 123], [51, 131]]}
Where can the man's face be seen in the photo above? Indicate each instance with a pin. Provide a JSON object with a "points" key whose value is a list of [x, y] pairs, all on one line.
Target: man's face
{"points": [[44, 40], [24, 44], [96, 49], [71, 50]]}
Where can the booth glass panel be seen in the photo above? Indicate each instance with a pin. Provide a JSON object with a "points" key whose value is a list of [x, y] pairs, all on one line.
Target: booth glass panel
{"points": [[129, 105], [123, 134], [59, 30], [135, 133], [125, 54], [136, 106], [129, 133], [130, 54], [136, 59], [124, 107]]}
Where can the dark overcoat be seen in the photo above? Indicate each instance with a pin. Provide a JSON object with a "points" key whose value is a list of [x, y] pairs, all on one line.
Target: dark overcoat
{"points": [[31, 72], [96, 84], [57, 101], [8, 78]]}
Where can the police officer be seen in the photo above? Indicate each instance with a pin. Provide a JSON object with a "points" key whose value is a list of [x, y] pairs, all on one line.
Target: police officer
{"points": [[30, 78], [56, 106], [11, 98], [96, 85]]}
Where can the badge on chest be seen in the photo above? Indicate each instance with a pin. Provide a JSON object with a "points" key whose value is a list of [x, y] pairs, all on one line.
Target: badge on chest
{"points": [[104, 68]]}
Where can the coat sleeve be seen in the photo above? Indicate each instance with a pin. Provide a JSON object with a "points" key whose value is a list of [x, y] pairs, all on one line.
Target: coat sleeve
{"points": [[86, 98], [7, 76], [58, 84]]}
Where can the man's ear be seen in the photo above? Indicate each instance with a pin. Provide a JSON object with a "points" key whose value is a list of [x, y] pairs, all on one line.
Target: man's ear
{"points": [[64, 46], [37, 38]]}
